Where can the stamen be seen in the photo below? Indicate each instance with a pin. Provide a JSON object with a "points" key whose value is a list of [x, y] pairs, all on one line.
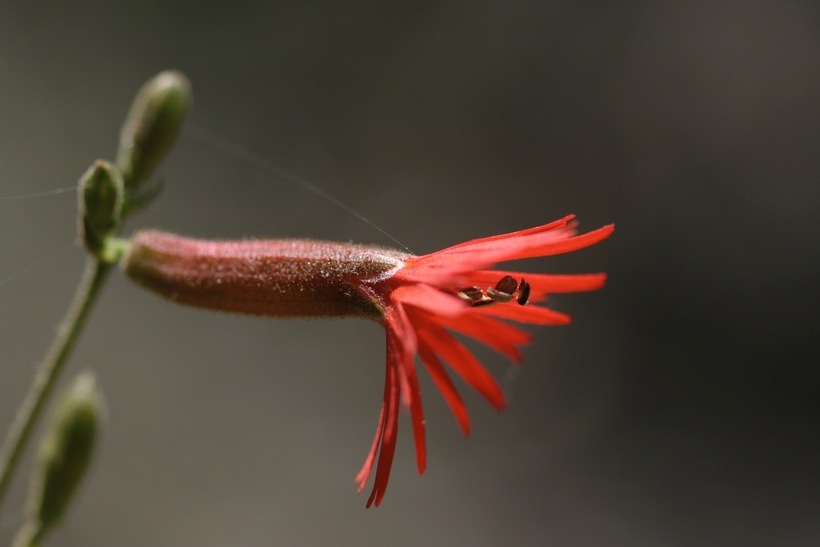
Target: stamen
{"points": [[523, 292], [498, 296], [504, 291], [507, 284], [471, 294]]}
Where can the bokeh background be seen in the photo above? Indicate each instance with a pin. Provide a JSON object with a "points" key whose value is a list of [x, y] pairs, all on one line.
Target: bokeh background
{"points": [[680, 408]]}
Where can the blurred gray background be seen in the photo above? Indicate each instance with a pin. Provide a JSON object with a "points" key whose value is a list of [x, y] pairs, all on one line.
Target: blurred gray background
{"points": [[680, 408]]}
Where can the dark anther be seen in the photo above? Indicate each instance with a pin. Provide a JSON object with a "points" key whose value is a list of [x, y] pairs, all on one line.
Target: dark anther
{"points": [[504, 291], [471, 294], [506, 285], [498, 296], [523, 292]]}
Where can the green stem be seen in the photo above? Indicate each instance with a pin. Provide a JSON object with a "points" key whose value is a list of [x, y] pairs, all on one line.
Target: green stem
{"points": [[28, 536], [46, 377]]}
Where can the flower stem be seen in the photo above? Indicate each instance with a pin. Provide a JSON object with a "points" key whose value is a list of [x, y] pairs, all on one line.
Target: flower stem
{"points": [[46, 378]]}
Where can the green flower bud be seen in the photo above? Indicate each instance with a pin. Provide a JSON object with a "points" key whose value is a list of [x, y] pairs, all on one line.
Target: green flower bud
{"points": [[152, 126], [64, 455], [100, 201]]}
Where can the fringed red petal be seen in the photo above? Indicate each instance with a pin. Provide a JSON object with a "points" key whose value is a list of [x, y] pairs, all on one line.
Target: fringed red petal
{"points": [[464, 364], [417, 417], [473, 243], [502, 337], [364, 474], [389, 432], [535, 315], [446, 387]]}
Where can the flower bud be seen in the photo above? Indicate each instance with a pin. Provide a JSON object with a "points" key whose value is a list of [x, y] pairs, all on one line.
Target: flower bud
{"points": [[100, 202], [64, 454], [152, 125]]}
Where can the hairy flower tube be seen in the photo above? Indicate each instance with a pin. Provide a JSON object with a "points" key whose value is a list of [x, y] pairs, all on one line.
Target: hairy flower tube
{"points": [[419, 300]]}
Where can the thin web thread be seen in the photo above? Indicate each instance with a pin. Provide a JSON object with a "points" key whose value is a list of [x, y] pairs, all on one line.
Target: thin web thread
{"points": [[43, 194], [229, 147]]}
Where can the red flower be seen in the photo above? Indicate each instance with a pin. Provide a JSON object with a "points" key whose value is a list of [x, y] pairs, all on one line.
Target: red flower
{"points": [[451, 290], [418, 299]]}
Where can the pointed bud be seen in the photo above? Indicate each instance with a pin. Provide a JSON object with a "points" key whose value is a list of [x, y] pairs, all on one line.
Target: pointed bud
{"points": [[152, 125], [100, 201], [64, 454]]}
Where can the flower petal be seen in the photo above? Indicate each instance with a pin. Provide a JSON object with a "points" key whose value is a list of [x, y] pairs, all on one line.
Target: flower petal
{"points": [[535, 315], [364, 474], [446, 387], [401, 342], [443, 267], [571, 244], [389, 432], [502, 337], [427, 298], [417, 417], [550, 243], [510, 235], [464, 364]]}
